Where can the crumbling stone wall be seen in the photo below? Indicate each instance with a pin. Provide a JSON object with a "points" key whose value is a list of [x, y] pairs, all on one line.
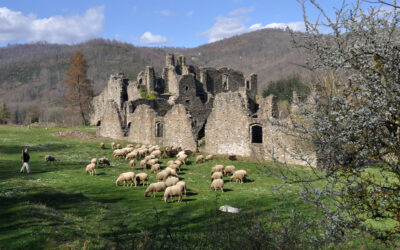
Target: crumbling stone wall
{"points": [[111, 121], [142, 125]]}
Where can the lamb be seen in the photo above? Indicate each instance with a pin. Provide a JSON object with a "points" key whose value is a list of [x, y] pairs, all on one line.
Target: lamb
{"points": [[216, 175], [118, 153], [171, 171], [155, 187], [91, 169], [199, 159], [217, 183], [239, 175], [173, 191], [102, 145], [217, 168], [128, 176], [171, 181], [104, 161], [183, 185], [230, 169], [163, 175], [50, 158], [113, 145], [155, 168], [143, 163], [157, 153], [132, 164], [209, 157], [142, 177]]}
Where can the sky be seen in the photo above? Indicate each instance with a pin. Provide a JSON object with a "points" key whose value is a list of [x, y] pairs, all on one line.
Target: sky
{"points": [[172, 23]]}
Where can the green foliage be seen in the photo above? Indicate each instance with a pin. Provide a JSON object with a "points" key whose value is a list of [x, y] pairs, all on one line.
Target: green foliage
{"points": [[284, 88], [147, 96], [4, 114]]}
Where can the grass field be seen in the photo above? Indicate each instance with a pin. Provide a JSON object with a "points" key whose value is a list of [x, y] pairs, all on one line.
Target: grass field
{"points": [[59, 206]]}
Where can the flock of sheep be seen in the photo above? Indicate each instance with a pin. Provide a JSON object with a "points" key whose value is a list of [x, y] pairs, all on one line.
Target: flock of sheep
{"points": [[149, 157]]}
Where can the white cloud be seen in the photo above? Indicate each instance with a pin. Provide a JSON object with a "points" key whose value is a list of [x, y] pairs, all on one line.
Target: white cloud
{"points": [[225, 27], [149, 38], [295, 26], [241, 11], [15, 26], [166, 13]]}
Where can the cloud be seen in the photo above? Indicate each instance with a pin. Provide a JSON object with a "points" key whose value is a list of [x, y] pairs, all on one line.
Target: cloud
{"points": [[295, 26], [225, 27], [241, 11], [166, 13], [149, 38], [15, 26]]}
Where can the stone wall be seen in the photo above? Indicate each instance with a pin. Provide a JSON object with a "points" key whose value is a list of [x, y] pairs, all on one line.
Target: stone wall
{"points": [[142, 125], [111, 121]]}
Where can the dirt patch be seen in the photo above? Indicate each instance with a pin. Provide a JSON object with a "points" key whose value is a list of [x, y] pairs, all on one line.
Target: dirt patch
{"points": [[76, 134]]}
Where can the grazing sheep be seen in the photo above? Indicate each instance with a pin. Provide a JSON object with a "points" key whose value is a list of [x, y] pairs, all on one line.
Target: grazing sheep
{"points": [[128, 176], [130, 146], [181, 153], [178, 162], [209, 157], [163, 175], [174, 167], [132, 164], [239, 175], [155, 168], [142, 153], [94, 161], [232, 158], [155, 187], [118, 153], [216, 175], [119, 146], [217, 168], [199, 158], [183, 185], [113, 145], [132, 155], [170, 152], [138, 146], [217, 183], [173, 191], [171, 171], [230, 169], [183, 158], [171, 181], [104, 161], [152, 161], [188, 152], [142, 177], [128, 149], [143, 163], [50, 158], [170, 162], [156, 153], [102, 145], [91, 169]]}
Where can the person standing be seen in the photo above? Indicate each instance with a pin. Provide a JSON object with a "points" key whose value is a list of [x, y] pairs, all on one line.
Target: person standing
{"points": [[25, 161]]}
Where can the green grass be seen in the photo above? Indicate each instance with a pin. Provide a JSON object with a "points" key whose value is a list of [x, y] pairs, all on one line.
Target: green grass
{"points": [[59, 206]]}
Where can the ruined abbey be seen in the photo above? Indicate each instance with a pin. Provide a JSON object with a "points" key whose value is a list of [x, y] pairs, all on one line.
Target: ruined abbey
{"points": [[207, 109]]}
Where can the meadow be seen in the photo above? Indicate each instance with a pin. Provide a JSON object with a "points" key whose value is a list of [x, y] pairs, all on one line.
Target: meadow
{"points": [[59, 206]]}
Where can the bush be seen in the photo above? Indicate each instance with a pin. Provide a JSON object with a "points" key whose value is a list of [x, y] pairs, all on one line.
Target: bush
{"points": [[283, 88]]}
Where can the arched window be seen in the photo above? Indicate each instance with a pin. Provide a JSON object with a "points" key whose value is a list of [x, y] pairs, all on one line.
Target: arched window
{"points": [[98, 123], [256, 134], [159, 129]]}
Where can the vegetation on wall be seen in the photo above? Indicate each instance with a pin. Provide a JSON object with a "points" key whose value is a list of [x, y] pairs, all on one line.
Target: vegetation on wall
{"points": [[283, 88]]}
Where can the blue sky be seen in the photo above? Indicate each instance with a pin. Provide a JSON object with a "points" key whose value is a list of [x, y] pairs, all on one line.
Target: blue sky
{"points": [[145, 23]]}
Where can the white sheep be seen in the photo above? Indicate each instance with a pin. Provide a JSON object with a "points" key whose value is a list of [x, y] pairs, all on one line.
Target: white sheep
{"points": [[171, 181], [181, 153], [132, 155], [155, 187], [173, 191], [152, 162], [143, 163], [183, 158], [174, 167], [132, 164], [209, 157], [156, 153], [102, 145], [183, 185], [155, 168], [91, 169], [138, 146], [171, 171], [199, 158], [142, 177], [128, 176], [94, 161], [113, 145], [170, 162], [230, 169], [118, 153], [216, 175], [239, 175], [217, 183], [217, 168], [119, 146], [163, 175], [104, 161]]}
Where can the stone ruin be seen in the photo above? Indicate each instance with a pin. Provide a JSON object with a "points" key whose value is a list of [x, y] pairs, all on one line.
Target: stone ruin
{"points": [[214, 110]]}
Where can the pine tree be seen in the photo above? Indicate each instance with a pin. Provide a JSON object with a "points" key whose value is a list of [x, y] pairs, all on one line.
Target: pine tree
{"points": [[4, 114], [79, 88]]}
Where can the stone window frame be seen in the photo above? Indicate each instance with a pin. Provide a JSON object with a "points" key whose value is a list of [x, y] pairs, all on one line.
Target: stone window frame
{"points": [[225, 82], [159, 129], [251, 133]]}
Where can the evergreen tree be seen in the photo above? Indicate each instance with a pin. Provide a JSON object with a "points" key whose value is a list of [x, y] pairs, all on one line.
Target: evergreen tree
{"points": [[4, 114]]}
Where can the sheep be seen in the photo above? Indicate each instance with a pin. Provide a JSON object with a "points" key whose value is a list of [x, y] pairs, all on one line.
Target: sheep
{"points": [[130, 146], [152, 162], [155, 168], [91, 169], [104, 161], [50, 158], [170, 162], [209, 157], [232, 158], [102, 145], [183, 158], [94, 161], [118, 153], [217, 183], [142, 177], [132, 164], [143, 163], [239, 175], [138, 146], [155, 187], [157, 153], [174, 167], [171, 181], [128, 149], [119, 146], [170, 152], [230, 169], [128, 176], [142, 153], [173, 191], [113, 145], [178, 162], [183, 185], [132, 155], [217, 168], [199, 158], [163, 175], [171, 171], [216, 175]]}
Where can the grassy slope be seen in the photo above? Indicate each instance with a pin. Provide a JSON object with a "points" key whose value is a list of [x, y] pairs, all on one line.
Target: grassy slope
{"points": [[58, 205]]}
